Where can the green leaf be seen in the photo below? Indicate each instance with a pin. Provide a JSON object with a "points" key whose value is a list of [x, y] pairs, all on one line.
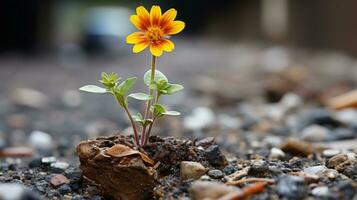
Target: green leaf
{"points": [[159, 77], [173, 88], [147, 122], [141, 96], [93, 89], [171, 113], [126, 85], [138, 117], [159, 109], [109, 80]]}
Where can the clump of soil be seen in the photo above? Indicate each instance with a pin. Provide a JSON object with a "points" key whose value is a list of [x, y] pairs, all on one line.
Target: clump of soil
{"points": [[124, 171]]}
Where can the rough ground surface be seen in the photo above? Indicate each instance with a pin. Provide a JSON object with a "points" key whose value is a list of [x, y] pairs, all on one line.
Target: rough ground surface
{"points": [[268, 117]]}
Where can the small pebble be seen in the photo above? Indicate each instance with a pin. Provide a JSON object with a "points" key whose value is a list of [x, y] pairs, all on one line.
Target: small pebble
{"points": [[41, 140], [291, 187], [48, 160], [315, 133], [230, 169], [315, 169], [322, 191], [328, 153], [58, 180], [59, 167], [64, 189], [191, 170], [276, 153], [215, 156], [215, 173]]}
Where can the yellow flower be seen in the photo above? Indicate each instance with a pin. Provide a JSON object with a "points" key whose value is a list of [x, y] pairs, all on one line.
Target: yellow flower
{"points": [[155, 29]]}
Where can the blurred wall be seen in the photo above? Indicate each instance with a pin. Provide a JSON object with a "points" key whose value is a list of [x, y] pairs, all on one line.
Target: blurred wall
{"points": [[30, 25]]}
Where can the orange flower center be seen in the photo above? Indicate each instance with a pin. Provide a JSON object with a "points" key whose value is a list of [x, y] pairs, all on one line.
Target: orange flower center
{"points": [[154, 34]]}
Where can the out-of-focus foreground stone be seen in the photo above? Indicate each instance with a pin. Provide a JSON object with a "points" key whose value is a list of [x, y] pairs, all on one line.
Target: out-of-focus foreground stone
{"points": [[121, 171]]}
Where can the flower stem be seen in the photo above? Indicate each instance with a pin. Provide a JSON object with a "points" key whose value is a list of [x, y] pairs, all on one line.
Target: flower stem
{"points": [[148, 104], [136, 136], [153, 121]]}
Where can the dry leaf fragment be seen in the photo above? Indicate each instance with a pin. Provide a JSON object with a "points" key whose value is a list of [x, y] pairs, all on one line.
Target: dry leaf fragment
{"points": [[120, 150]]}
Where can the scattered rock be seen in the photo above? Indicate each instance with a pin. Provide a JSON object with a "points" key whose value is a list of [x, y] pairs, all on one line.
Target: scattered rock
{"points": [[48, 160], [320, 117], [58, 167], [321, 191], [191, 170], [16, 152], [200, 118], [341, 161], [328, 153], [14, 191], [347, 116], [209, 190], [315, 169], [262, 169], [276, 153], [36, 162], [29, 97], [291, 101], [41, 140], [230, 169], [206, 142], [64, 189], [215, 156], [329, 173], [342, 134], [315, 133], [58, 180], [215, 173], [291, 187], [351, 171], [297, 148]]}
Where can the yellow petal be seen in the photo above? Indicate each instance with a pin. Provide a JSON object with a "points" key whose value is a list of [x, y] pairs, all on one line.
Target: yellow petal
{"points": [[136, 21], [142, 13], [140, 47], [168, 16], [167, 45], [156, 50], [174, 27], [155, 15], [136, 37], [143, 16]]}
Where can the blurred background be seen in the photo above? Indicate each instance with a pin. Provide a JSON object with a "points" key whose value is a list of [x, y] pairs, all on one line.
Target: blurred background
{"points": [[230, 52]]}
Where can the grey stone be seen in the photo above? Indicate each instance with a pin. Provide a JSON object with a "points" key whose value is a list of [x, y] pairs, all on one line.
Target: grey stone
{"points": [[328, 153], [315, 169], [48, 160], [315, 133], [215, 156], [322, 191], [291, 187], [215, 173], [58, 167], [64, 189], [41, 140]]}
